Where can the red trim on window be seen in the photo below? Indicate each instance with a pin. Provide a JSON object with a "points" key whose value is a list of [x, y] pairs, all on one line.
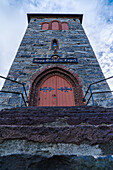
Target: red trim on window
{"points": [[59, 24], [65, 26], [45, 27]]}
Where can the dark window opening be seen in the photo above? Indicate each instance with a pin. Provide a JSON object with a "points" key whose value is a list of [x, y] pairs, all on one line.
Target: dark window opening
{"points": [[54, 45]]}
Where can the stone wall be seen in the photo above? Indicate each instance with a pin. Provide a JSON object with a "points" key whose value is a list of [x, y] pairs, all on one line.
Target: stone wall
{"points": [[37, 43]]}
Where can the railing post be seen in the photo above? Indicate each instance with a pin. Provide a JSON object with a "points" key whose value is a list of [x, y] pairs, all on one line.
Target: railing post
{"points": [[23, 89], [92, 96], [21, 97]]}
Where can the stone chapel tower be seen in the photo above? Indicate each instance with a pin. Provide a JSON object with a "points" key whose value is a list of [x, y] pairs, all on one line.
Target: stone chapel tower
{"points": [[56, 63], [49, 121]]}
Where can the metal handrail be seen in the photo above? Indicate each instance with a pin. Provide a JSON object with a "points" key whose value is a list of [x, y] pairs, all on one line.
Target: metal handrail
{"points": [[23, 89], [17, 83], [96, 83], [2, 91], [97, 93], [89, 88]]}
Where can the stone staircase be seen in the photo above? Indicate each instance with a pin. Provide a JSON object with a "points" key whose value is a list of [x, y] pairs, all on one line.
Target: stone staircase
{"points": [[40, 133], [58, 124]]}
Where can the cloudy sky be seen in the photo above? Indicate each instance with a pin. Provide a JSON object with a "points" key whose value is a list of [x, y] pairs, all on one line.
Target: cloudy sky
{"points": [[97, 22]]}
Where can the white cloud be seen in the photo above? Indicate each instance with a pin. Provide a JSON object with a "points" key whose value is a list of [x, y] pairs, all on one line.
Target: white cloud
{"points": [[97, 22]]}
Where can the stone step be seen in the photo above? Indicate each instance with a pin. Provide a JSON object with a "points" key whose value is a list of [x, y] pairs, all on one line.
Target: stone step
{"points": [[54, 115], [56, 120], [36, 115], [41, 110], [53, 110], [55, 134]]}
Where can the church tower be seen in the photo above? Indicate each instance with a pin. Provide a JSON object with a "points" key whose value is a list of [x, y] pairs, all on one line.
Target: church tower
{"points": [[52, 97], [56, 64]]}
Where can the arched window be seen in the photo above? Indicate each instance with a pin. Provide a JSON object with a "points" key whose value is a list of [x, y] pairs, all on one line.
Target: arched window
{"points": [[55, 25], [65, 26], [45, 26], [54, 44]]}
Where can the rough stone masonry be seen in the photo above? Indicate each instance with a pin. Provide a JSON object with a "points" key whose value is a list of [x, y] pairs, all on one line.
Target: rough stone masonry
{"points": [[36, 43], [78, 137], [56, 138]]}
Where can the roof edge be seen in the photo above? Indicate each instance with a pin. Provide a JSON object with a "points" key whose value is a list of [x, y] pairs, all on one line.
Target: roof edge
{"points": [[50, 15]]}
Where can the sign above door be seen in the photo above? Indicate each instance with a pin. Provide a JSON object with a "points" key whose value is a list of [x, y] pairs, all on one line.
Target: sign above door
{"points": [[55, 59]]}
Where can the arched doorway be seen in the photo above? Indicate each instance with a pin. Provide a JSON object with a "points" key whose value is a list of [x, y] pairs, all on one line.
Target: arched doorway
{"points": [[55, 91], [55, 87]]}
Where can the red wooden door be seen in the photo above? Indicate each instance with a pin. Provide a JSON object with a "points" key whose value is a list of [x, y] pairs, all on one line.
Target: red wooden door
{"points": [[56, 91]]}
